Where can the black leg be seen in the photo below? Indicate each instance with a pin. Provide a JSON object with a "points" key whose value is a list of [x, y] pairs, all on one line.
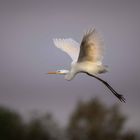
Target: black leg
{"points": [[119, 96]]}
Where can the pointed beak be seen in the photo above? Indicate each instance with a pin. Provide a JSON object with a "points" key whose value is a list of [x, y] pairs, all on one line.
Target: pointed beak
{"points": [[54, 72]]}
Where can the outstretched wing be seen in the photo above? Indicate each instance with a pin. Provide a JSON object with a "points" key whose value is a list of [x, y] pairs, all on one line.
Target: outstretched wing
{"points": [[91, 47], [69, 46]]}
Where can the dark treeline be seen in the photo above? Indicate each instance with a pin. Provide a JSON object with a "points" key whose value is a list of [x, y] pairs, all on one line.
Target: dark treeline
{"points": [[90, 120]]}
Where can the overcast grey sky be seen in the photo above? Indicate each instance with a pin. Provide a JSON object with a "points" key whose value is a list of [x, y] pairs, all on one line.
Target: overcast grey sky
{"points": [[27, 52]]}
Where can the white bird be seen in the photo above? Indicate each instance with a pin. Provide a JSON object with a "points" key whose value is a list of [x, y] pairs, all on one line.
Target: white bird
{"points": [[87, 57]]}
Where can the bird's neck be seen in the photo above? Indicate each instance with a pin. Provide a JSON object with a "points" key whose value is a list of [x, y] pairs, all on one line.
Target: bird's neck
{"points": [[65, 72]]}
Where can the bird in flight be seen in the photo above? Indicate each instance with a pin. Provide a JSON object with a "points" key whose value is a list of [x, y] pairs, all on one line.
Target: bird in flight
{"points": [[86, 58]]}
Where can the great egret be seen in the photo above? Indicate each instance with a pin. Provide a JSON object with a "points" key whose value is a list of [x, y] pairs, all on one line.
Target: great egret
{"points": [[87, 58]]}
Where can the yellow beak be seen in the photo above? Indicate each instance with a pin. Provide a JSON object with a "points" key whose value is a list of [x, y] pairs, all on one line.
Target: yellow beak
{"points": [[54, 72]]}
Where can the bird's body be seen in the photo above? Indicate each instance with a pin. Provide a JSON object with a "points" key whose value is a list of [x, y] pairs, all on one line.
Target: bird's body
{"points": [[87, 57], [89, 67]]}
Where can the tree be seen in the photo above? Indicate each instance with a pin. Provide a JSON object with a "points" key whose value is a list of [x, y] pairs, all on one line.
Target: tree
{"points": [[94, 120], [35, 131], [11, 125], [43, 127]]}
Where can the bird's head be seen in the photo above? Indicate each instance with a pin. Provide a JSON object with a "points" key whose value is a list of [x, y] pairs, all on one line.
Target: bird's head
{"points": [[59, 72]]}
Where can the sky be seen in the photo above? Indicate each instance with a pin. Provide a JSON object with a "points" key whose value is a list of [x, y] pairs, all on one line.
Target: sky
{"points": [[27, 52]]}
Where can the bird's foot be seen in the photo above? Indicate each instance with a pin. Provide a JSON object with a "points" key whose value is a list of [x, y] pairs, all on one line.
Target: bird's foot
{"points": [[120, 97]]}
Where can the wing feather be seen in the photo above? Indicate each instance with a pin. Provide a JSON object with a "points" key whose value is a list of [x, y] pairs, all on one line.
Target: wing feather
{"points": [[69, 46], [91, 47]]}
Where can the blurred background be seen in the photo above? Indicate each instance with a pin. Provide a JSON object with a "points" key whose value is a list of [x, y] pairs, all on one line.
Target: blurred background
{"points": [[39, 106]]}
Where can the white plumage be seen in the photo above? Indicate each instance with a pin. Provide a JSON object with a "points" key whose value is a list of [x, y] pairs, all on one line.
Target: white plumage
{"points": [[86, 57], [69, 46]]}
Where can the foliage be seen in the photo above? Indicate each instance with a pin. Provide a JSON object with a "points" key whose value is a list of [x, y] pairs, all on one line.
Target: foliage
{"points": [[11, 126], [90, 120], [94, 120]]}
